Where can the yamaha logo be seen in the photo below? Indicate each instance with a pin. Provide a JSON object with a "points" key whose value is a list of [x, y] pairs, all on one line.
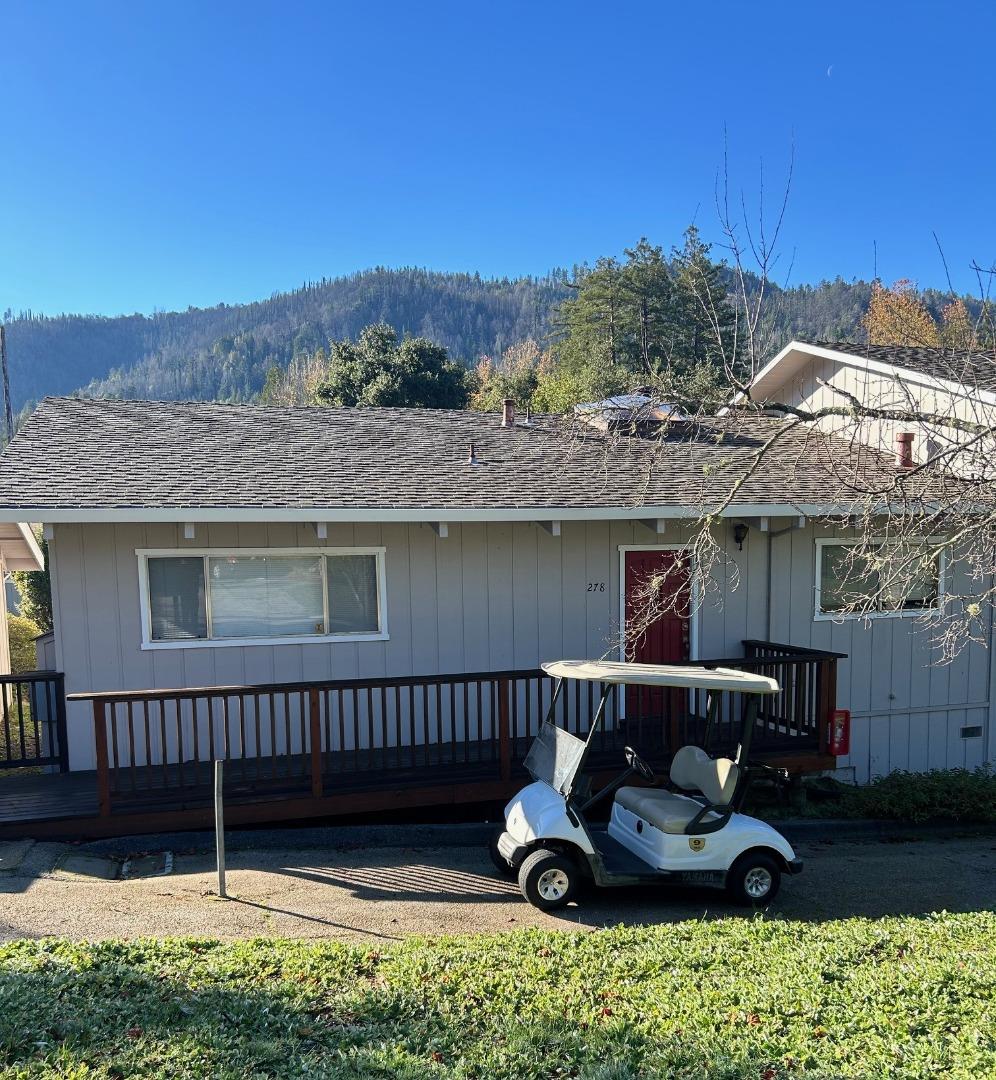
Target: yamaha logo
{"points": [[696, 843]]}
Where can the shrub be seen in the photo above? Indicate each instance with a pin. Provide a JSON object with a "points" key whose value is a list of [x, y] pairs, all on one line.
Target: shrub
{"points": [[941, 794], [35, 588], [21, 633]]}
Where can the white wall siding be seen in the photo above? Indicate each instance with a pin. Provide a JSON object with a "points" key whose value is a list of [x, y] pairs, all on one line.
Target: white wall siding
{"points": [[495, 596], [907, 706], [825, 383]]}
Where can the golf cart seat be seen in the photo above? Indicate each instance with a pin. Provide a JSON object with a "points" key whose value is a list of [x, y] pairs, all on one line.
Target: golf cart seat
{"points": [[692, 770]]}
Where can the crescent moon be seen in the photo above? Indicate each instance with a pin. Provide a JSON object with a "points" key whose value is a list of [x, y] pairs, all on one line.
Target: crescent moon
{"points": [[829, 71]]}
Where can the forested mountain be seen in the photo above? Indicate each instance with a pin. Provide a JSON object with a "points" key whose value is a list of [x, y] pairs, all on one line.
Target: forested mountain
{"points": [[224, 352]]}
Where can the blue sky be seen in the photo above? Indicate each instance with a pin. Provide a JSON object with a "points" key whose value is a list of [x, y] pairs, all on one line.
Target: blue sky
{"points": [[165, 155]]}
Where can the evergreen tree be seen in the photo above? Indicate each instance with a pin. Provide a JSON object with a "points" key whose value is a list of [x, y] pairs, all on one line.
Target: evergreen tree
{"points": [[590, 321], [704, 316], [650, 316], [378, 370], [648, 313]]}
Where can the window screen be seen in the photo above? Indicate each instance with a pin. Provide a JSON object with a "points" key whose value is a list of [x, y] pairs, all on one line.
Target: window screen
{"points": [[176, 599], [352, 582], [847, 581], [916, 591], [266, 596]]}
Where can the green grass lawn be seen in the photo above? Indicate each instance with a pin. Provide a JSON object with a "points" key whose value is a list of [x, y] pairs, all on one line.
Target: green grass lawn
{"points": [[758, 998]]}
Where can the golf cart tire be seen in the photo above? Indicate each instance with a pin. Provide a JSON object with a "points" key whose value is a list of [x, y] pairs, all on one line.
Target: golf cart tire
{"points": [[548, 879], [502, 864], [747, 875]]}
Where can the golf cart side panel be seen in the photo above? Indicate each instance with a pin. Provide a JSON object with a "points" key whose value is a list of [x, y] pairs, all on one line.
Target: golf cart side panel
{"points": [[539, 812], [680, 852]]}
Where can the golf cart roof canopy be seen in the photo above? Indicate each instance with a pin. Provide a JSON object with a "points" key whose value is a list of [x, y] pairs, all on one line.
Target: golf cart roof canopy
{"points": [[695, 678]]}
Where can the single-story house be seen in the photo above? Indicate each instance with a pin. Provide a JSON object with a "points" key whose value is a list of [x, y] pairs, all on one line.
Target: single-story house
{"points": [[213, 564]]}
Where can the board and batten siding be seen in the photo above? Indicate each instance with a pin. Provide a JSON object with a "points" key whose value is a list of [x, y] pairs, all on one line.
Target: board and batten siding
{"points": [[907, 707], [489, 596], [826, 383], [493, 596]]}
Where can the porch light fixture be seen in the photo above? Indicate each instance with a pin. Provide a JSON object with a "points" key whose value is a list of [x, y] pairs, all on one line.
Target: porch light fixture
{"points": [[740, 534]]}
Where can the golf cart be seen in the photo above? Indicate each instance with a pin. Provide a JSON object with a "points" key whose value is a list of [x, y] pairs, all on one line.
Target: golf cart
{"points": [[690, 833]]}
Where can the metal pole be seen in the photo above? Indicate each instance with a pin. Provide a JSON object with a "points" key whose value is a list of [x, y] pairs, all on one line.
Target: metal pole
{"points": [[6, 384], [219, 825]]}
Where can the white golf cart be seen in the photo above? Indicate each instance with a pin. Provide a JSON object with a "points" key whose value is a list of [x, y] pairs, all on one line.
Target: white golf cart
{"points": [[693, 834]]}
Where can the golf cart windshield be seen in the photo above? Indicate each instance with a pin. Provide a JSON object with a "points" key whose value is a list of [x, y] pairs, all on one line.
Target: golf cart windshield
{"points": [[555, 757]]}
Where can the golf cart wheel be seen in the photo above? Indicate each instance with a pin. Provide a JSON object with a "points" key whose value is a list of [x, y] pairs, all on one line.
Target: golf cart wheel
{"points": [[501, 863], [754, 879], [548, 880]]}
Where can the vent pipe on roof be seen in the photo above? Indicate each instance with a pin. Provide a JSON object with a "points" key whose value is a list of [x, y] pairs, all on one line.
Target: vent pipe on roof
{"points": [[904, 450], [508, 412]]}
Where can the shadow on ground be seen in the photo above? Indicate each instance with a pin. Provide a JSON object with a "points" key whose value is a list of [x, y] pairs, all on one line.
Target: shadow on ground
{"points": [[869, 879]]}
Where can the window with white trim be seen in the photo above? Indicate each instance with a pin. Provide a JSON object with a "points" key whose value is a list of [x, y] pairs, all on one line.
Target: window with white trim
{"points": [[245, 596], [877, 580]]}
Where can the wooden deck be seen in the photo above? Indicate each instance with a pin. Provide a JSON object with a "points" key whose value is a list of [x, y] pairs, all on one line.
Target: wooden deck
{"points": [[36, 798], [67, 806], [296, 751]]}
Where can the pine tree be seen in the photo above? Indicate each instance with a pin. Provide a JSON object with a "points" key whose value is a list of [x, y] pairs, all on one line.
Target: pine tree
{"points": [[704, 315], [648, 313]]}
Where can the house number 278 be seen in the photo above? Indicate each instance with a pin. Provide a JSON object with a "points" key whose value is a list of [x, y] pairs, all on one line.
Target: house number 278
{"points": [[596, 586]]}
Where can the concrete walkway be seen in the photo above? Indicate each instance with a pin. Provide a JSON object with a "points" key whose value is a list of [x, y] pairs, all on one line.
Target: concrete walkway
{"points": [[378, 893]]}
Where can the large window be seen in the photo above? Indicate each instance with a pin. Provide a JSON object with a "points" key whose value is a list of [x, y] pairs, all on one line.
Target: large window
{"points": [[236, 597], [877, 579]]}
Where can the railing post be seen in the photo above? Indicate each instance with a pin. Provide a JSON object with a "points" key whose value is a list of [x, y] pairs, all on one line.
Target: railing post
{"points": [[504, 735], [827, 702], [61, 728], [103, 770], [314, 709]]}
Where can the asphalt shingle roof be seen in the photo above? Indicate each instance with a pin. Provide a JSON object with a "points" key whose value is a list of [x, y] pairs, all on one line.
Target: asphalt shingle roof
{"points": [[103, 454], [976, 369]]}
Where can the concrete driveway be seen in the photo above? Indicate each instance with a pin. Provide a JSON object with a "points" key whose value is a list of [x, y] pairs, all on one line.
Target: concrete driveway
{"points": [[384, 892]]}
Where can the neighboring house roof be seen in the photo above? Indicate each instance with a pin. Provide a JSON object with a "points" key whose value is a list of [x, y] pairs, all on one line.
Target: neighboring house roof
{"points": [[976, 369], [78, 459], [965, 374], [19, 548]]}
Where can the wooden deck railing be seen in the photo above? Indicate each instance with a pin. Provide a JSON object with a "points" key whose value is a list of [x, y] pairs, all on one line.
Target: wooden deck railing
{"points": [[33, 721], [155, 747]]}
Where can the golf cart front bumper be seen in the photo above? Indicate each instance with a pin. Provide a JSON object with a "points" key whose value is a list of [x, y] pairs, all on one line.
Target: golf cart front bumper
{"points": [[794, 866], [511, 850]]}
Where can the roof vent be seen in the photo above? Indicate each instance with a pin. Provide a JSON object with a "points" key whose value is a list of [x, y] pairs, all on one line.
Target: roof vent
{"points": [[472, 456], [904, 450], [508, 412]]}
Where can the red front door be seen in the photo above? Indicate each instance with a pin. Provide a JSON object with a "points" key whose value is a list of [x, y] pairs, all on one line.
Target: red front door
{"points": [[658, 620]]}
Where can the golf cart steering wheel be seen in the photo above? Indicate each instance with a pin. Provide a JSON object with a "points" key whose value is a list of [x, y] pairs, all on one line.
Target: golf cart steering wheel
{"points": [[639, 766]]}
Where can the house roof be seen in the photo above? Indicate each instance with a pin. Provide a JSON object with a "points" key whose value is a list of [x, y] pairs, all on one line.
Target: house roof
{"points": [[78, 459], [976, 369], [968, 373]]}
